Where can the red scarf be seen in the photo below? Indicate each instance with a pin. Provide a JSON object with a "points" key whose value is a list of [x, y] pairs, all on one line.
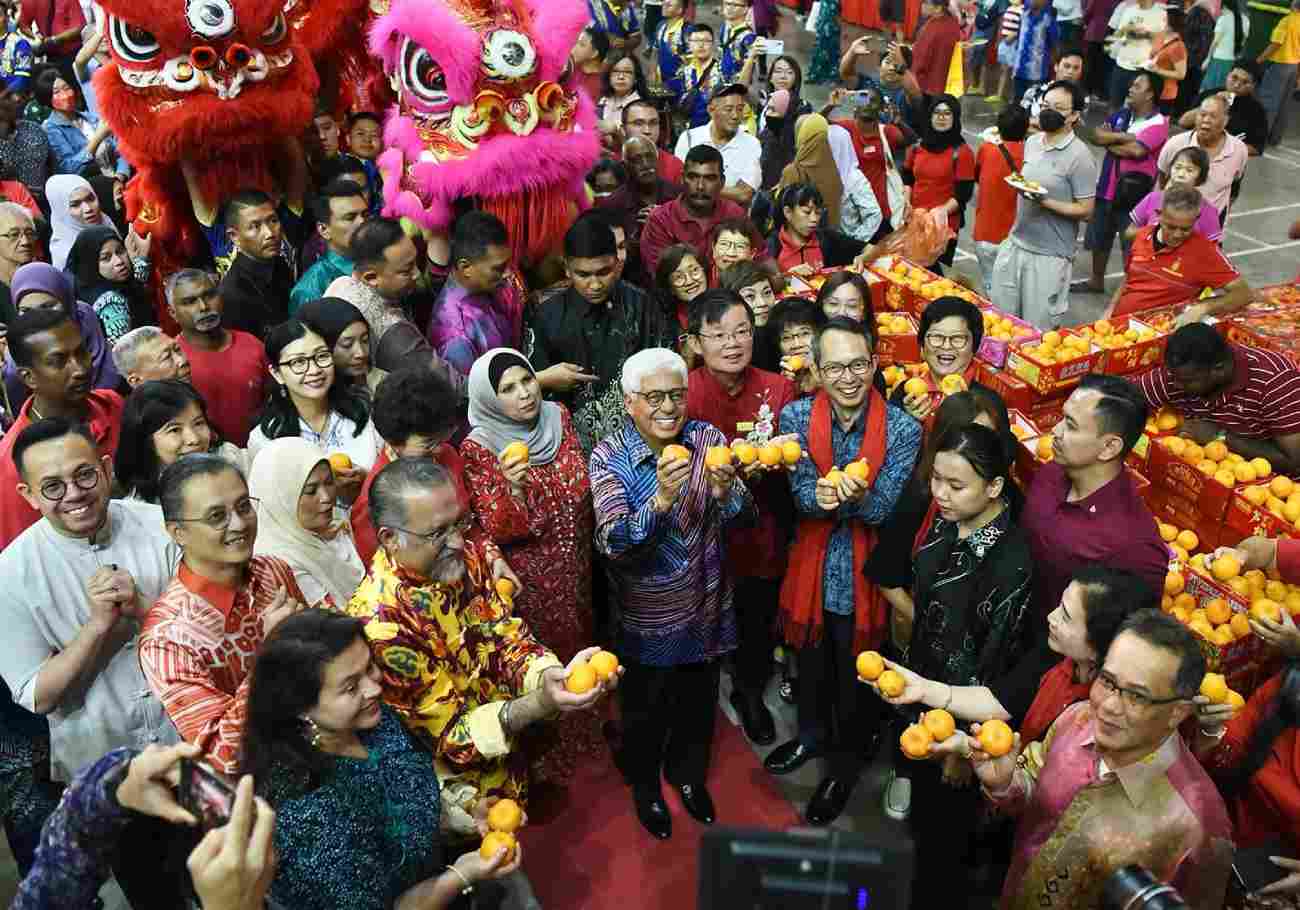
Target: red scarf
{"points": [[1056, 691], [801, 592]]}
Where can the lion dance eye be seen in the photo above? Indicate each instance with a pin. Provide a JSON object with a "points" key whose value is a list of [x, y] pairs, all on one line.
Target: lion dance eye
{"points": [[422, 76], [132, 43], [276, 32]]}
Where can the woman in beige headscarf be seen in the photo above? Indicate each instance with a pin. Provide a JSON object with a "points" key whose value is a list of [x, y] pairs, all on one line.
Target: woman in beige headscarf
{"points": [[813, 163], [294, 487]]}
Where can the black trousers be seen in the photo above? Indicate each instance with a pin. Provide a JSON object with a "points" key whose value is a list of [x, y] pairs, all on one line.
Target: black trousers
{"points": [[943, 820], [836, 712], [668, 718], [756, 601], [150, 863]]}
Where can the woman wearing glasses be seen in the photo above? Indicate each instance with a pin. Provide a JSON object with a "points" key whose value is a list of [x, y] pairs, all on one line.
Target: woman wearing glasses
{"points": [[162, 422], [537, 508], [733, 241], [294, 487], [680, 277], [951, 330], [306, 401]]}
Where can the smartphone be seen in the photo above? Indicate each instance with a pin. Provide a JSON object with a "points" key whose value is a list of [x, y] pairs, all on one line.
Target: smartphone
{"points": [[773, 47], [205, 794]]}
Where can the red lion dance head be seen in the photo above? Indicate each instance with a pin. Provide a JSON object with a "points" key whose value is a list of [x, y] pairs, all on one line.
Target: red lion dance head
{"points": [[487, 109]]}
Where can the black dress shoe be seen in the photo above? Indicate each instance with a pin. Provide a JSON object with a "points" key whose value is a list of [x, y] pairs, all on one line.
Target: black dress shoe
{"points": [[789, 757], [755, 718], [653, 814], [830, 799], [698, 803]]}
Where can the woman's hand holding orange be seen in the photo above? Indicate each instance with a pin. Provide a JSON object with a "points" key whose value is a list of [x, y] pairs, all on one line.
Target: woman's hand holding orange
{"points": [[914, 690], [995, 774]]}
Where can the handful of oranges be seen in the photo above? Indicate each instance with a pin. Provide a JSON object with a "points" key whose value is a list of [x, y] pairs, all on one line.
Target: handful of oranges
{"points": [[504, 819], [584, 676], [1215, 687], [935, 727]]}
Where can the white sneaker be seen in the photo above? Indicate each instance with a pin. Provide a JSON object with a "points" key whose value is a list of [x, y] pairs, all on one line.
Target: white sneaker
{"points": [[898, 797]]}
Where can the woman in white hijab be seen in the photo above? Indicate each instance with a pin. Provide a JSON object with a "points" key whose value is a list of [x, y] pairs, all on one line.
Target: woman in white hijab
{"points": [[73, 208], [294, 487], [537, 507], [860, 215]]}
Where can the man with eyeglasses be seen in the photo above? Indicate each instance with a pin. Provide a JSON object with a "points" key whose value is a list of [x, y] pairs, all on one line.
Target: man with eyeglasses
{"points": [[1113, 783], [664, 524], [53, 362], [227, 367], [641, 120], [829, 610], [465, 674], [692, 217], [17, 248], [744, 402], [741, 152], [147, 354], [76, 584], [201, 636], [1083, 507]]}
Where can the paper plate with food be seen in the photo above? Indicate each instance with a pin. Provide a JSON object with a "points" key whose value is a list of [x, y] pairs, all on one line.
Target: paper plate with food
{"points": [[1022, 184]]}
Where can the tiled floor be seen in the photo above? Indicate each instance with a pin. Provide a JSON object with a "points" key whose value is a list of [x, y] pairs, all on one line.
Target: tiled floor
{"points": [[1256, 242]]}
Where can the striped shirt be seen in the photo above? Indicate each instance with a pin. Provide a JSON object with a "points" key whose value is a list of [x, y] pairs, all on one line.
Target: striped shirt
{"points": [[197, 649], [1261, 402], [668, 579]]}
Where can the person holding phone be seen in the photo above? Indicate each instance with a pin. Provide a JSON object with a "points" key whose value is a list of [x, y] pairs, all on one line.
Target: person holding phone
{"points": [[358, 823], [231, 867]]}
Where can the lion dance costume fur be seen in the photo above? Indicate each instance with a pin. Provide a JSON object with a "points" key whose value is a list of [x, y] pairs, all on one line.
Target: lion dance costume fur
{"points": [[486, 108]]}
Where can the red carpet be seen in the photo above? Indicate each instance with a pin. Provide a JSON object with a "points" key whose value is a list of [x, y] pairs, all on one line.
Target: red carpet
{"points": [[589, 851]]}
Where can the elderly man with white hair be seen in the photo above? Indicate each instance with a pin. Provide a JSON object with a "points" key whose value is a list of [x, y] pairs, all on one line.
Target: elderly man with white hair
{"points": [[660, 518], [147, 354], [17, 248]]}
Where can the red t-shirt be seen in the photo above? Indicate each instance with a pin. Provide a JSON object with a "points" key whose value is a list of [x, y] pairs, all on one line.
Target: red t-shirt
{"points": [[670, 167], [1172, 275], [104, 409], [231, 382], [996, 210], [792, 253], [870, 150], [932, 54], [937, 176]]}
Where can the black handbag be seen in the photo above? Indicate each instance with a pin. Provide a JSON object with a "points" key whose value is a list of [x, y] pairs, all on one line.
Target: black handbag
{"points": [[1130, 189]]}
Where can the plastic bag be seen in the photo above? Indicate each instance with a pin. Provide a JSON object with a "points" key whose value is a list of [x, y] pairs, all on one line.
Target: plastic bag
{"points": [[925, 236]]}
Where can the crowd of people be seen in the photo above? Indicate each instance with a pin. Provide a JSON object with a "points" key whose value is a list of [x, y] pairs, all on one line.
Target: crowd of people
{"points": [[342, 510]]}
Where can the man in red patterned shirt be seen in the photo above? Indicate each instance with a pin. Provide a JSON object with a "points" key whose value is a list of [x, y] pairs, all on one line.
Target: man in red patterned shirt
{"points": [[199, 641], [1247, 396]]}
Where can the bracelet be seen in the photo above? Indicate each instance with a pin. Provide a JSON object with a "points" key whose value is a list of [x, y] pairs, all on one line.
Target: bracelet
{"points": [[948, 703], [469, 886], [504, 719]]}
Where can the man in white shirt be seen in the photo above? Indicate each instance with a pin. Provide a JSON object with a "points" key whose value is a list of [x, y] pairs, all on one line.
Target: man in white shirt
{"points": [[741, 171], [74, 584], [1135, 25]]}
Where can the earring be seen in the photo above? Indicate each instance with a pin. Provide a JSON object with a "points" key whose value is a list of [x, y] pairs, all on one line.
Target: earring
{"points": [[313, 732]]}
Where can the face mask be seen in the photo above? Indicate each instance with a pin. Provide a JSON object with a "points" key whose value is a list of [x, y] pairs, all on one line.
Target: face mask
{"points": [[774, 123], [1051, 120]]}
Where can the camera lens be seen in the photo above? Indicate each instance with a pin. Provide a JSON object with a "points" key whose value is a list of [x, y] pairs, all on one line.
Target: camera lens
{"points": [[1134, 888]]}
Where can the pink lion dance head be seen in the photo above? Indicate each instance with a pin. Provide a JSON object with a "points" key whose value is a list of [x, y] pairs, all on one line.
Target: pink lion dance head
{"points": [[487, 109]]}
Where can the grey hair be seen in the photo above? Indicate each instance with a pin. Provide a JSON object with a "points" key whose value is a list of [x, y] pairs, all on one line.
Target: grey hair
{"points": [[395, 481], [177, 475], [126, 353], [1182, 198], [641, 364], [15, 210], [176, 278]]}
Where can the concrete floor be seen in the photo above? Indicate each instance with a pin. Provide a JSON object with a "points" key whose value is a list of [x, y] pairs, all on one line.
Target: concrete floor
{"points": [[1256, 242]]}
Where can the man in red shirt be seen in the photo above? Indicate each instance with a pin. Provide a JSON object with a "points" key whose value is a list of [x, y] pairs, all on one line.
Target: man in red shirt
{"points": [[745, 402], [1083, 507], [641, 119], [228, 368], [691, 217], [416, 411], [53, 362], [1246, 396], [875, 159], [1171, 262], [932, 53]]}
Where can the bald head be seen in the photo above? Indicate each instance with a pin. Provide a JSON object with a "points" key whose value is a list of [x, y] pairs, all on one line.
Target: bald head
{"points": [[641, 156]]}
